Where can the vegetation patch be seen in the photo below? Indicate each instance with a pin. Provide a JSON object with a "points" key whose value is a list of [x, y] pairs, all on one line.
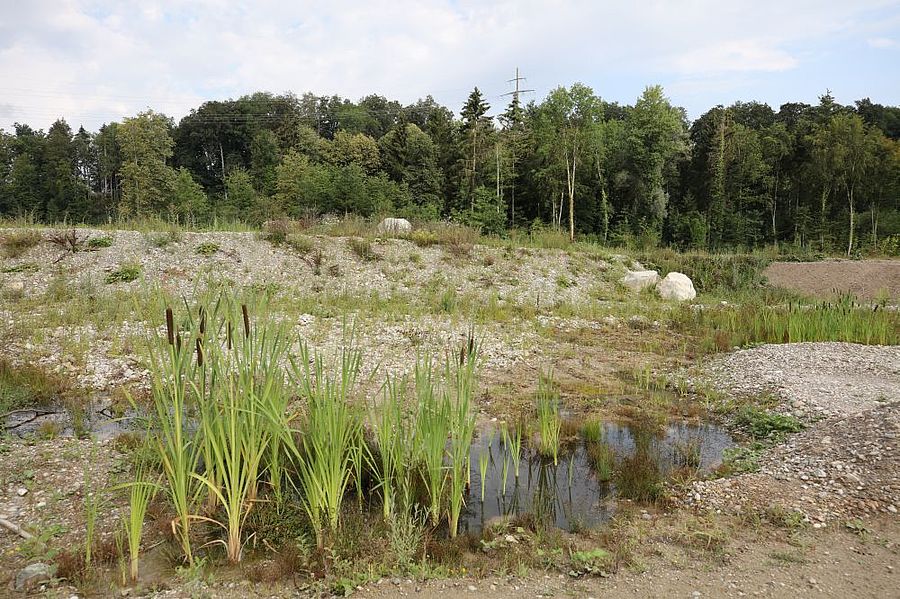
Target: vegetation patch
{"points": [[762, 425], [14, 244], [21, 268], [126, 273], [722, 328], [23, 386], [97, 243], [362, 249], [711, 273], [207, 248]]}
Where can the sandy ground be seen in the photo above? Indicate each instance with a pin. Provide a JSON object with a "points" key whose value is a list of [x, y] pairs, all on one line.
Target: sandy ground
{"points": [[864, 278]]}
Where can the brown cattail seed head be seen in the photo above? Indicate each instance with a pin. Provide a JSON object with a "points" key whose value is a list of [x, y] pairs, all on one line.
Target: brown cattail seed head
{"points": [[170, 326]]}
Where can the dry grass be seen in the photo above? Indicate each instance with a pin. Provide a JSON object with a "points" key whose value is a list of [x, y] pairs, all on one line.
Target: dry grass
{"points": [[15, 243]]}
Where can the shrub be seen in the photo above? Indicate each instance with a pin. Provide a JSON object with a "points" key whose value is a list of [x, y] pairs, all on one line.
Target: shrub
{"points": [[68, 240], [16, 243], [126, 273], [207, 248]]}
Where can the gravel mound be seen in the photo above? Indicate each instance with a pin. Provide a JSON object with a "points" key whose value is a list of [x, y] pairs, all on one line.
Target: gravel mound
{"points": [[813, 379], [845, 464], [838, 468]]}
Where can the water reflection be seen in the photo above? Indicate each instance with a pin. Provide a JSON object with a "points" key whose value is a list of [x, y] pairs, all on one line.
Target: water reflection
{"points": [[571, 495]]}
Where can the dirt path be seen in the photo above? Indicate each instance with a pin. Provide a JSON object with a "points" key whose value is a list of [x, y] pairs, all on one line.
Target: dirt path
{"points": [[864, 278], [836, 563]]}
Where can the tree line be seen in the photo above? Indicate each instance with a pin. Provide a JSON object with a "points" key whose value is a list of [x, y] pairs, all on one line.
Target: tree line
{"points": [[823, 176]]}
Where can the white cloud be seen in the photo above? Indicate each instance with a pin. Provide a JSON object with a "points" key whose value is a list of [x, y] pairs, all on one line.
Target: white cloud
{"points": [[883, 43], [98, 60]]}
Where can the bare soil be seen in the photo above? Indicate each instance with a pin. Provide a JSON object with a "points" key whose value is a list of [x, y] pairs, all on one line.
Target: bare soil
{"points": [[866, 279]]}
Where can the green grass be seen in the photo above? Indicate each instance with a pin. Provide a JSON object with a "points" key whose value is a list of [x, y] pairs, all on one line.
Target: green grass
{"points": [[843, 320]]}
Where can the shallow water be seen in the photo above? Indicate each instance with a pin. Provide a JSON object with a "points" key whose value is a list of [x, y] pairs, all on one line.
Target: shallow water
{"points": [[569, 493]]}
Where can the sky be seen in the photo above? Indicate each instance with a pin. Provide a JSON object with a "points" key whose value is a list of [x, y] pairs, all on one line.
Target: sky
{"points": [[95, 61]]}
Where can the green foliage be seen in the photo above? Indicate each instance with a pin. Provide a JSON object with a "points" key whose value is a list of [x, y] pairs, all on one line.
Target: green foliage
{"points": [[24, 386], [126, 273], [207, 248], [764, 425], [711, 273], [841, 320], [29, 267], [96, 243]]}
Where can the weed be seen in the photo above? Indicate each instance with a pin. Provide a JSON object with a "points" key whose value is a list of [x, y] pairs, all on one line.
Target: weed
{"points": [[638, 477], [596, 561], [24, 267], [126, 273], [764, 425], [25, 386], [362, 248], [97, 243], [688, 452], [602, 458], [164, 238], [207, 248], [592, 430], [14, 244], [300, 244]]}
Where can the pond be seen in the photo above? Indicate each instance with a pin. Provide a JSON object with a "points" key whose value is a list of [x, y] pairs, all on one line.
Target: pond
{"points": [[571, 494]]}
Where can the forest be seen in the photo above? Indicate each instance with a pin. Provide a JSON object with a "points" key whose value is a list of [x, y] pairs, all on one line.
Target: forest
{"points": [[822, 177]]}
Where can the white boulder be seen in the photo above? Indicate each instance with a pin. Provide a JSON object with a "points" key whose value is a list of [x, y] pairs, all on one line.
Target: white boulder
{"points": [[394, 225], [676, 286], [636, 280]]}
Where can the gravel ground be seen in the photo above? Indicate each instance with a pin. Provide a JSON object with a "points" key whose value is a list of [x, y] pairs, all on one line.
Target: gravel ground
{"points": [[813, 379], [845, 463]]}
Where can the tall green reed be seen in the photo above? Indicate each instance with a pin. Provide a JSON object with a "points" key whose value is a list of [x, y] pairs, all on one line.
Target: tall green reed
{"points": [[461, 374], [549, 420]]}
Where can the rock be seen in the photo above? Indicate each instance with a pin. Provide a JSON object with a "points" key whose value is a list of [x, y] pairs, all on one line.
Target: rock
{"points": [[676, 286], [22, 492], [394, 225], [636, 280], [34, 575]]}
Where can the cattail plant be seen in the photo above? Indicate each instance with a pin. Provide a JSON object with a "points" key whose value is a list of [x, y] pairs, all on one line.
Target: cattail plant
{"points": [[432, 429], [462, 426]]}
